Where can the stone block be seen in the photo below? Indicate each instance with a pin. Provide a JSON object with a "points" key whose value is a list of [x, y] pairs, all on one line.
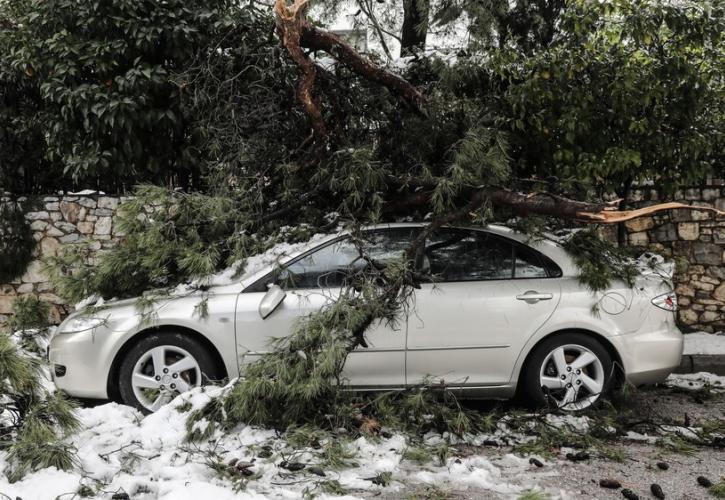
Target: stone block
{"points": [[710, 194], [108, 202], [50, 298], [639, 239], [42, 215], [707, 253], [686, 290], [708, 279], [703, 286], [639, 224], [49, 246], [665, 232], [85, 227], [103, 226], [70, 238], [688, 316], [700, 215], [66, 227], [692, 194], [34, 273], [88, 202], [719, 293], [6, 303], [25, 288], [716, 272], [54, 231], [710, 316], [688, 231], [38, 225], [70, 211]]}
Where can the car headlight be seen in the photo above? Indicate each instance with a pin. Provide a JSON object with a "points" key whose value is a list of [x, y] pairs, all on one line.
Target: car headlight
{"points": [[82, 324]]}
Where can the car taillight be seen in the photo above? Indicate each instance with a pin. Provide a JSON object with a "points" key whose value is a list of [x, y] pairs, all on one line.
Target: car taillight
{"points": [[666, 301]]}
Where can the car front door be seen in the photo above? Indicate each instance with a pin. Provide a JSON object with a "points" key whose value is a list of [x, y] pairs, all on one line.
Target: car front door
{"points": [[489, 295], [315, 280]]}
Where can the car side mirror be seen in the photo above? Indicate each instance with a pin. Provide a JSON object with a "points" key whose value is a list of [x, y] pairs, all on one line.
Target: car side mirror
{"points": [[271, 300]]}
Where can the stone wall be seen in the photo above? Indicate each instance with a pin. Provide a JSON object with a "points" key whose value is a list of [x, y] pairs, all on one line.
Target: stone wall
{"points": [[57, 221], [695, 240]]}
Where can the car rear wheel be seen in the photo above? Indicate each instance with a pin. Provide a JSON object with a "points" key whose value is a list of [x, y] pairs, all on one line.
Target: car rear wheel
{"points": [[160, 367], [570, 372]]}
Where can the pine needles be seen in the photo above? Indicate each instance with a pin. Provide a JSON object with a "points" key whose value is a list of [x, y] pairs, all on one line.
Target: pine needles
{"points": [[34, 420]]}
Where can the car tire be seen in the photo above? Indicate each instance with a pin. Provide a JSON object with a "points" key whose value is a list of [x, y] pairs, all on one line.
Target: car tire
{"points": [[183, 363], [570, 371]]}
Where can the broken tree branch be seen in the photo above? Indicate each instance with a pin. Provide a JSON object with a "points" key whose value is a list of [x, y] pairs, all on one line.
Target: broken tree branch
{"points": [[290, 20], [546, 204], [296, 32]]}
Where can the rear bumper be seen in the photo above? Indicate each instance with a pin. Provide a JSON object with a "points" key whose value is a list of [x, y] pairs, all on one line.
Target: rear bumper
{"points": [[85, 373], [649, 356]]}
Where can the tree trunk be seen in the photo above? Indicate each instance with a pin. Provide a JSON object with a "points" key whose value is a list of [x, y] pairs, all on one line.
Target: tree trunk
{"points": [[415, 26]]}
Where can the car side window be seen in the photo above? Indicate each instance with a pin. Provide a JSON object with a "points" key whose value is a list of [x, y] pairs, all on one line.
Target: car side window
{"points": [[529, 264], [464, 255], [329, 266]]}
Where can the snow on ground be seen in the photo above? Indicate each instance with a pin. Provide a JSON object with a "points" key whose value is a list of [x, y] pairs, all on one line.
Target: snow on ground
{"points": [[696, 381], [704, 343], [120, 450]]}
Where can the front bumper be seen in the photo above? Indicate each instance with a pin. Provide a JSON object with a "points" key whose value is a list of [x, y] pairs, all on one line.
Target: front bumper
{"points": [[650, 355], [80, 356]]}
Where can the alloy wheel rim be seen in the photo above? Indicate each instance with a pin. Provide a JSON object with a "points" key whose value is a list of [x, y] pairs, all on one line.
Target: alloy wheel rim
{"points": [[572, 377], [162, 373]]}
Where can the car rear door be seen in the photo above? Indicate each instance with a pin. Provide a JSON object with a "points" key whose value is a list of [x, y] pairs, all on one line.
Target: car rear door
{"points": [[489, 295]]}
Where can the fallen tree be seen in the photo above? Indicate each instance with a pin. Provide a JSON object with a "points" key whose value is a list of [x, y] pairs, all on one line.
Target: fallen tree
{"points": [[364, 145]]}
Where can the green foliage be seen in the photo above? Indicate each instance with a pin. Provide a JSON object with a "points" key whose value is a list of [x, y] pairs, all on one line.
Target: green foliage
{"points": [[170, 237], [98, 90], [616, 92], [599, 261], [35, 421], [417, 454], [29, 320], [29, 312], [534, 495], [16, 242], [718, 490]]}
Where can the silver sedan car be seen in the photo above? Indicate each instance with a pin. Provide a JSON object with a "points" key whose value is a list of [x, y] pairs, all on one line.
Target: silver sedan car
{"points": [[502, 315]]}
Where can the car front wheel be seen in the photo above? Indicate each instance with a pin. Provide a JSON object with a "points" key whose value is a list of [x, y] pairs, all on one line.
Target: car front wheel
{"points": [[161, 366], [570, 371]]}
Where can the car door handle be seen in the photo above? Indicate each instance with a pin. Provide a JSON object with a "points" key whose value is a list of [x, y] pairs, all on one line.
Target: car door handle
{"points": [[533, 296]]}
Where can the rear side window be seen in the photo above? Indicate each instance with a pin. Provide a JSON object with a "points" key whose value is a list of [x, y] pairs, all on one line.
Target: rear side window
{"points": [[463, 255], [529, 264], [470, 255]]}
